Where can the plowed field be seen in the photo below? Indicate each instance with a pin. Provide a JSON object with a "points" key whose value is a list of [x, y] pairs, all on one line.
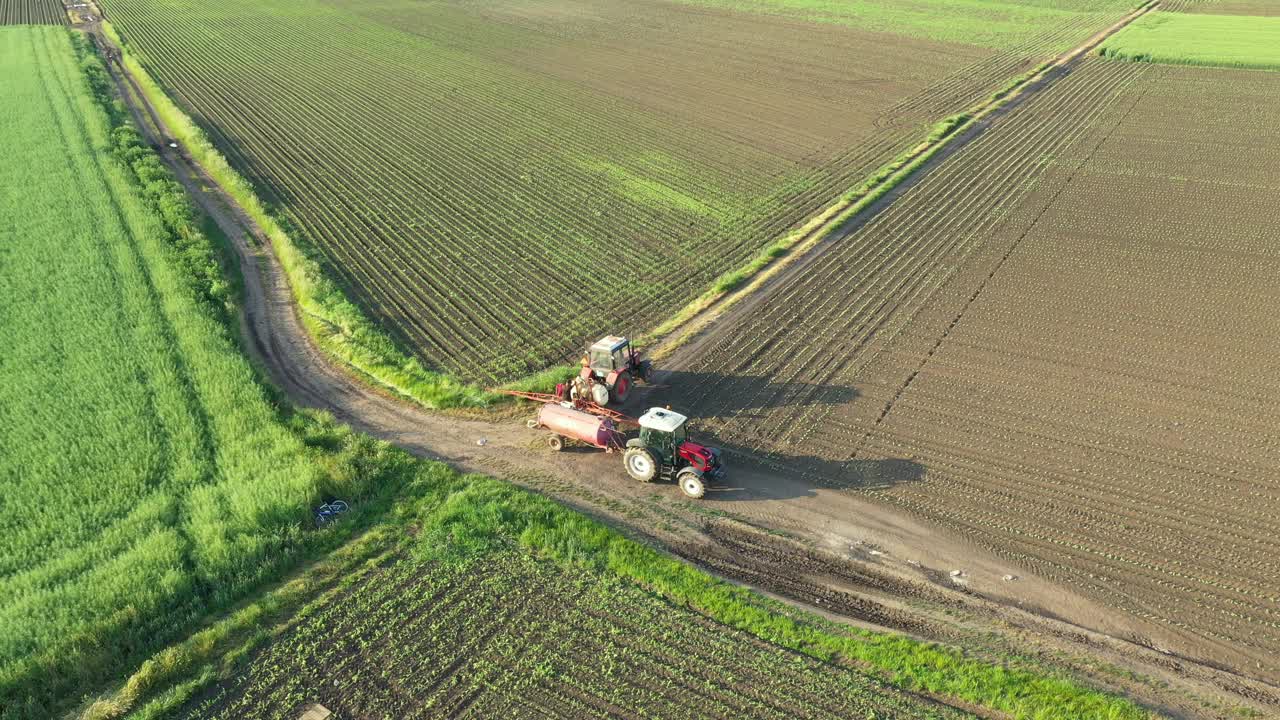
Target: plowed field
{"points": [[1070, 326], [514, 637], [498, 183]]}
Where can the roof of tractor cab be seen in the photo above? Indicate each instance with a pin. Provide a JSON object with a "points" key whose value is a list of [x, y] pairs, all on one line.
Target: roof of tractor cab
{"points": [[662, 420], [609, 343]]}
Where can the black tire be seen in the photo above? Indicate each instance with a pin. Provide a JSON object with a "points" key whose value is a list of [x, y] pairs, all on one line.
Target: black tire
{"points": [[691, 483], [621, 389], [640, 464], [556, 442]]}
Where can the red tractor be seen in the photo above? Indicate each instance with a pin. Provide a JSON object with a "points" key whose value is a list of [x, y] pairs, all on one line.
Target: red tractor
{"points": [[664, 451], [609, 368]]}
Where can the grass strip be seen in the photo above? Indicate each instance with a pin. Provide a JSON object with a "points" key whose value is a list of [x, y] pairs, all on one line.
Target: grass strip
{"points": [[450, 517]]}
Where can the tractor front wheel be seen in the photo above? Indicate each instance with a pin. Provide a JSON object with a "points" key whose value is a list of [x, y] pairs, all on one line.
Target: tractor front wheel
{"points": [[691, 483], [621, 388], [640, 463]]}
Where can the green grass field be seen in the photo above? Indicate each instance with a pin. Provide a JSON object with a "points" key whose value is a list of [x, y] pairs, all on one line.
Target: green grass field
{"points": [[1236, 41], [146, 476]]}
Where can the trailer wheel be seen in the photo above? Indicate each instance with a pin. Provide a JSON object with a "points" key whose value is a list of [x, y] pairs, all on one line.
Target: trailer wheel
{"points": [[691, 483], [640, 463], [556, 442], [621, 388]]}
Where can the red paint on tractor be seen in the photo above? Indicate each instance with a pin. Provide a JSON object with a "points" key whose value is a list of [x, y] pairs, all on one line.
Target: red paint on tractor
{"points": [[700, 457]]}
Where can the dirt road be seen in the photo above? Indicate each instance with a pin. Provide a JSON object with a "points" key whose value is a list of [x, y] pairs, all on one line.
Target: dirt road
{"points": [[836, 551]]}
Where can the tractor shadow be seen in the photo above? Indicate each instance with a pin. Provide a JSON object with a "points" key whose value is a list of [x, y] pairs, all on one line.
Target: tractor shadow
{"points": [[718, 395], [754, 476]]}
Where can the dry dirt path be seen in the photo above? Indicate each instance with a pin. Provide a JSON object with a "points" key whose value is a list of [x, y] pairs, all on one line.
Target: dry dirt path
{"points": [[837, 552]]}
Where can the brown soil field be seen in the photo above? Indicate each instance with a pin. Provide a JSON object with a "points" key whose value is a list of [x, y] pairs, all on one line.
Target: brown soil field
{"points": [[1060, 342]]}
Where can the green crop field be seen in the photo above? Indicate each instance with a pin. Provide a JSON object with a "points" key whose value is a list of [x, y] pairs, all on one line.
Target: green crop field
{"points": [[145, 474], [508, 636], [1237, 41], [496, 183]]}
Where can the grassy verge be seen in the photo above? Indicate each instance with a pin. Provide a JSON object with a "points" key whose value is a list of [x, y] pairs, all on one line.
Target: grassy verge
{"points": [[456, 518], [883, 181], [1230, 41]]}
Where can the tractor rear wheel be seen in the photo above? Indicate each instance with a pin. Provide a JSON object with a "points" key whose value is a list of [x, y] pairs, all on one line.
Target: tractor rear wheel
{"points": [[621, 388], [691, 483], [640, 463], [556, 442]]}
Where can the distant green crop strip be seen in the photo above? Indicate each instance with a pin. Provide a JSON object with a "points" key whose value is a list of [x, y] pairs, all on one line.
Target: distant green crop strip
{"points": [[1232, 41]]}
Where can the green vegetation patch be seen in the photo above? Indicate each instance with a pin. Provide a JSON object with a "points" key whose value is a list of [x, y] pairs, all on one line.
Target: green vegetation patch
{"points": [[1235, 41]]}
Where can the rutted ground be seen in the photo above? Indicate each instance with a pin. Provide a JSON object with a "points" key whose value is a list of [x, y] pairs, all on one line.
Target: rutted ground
{"points": [[1064, 336]]}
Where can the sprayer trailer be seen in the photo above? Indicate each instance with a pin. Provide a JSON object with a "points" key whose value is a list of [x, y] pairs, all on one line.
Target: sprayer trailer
{"points": [[567, 423]]}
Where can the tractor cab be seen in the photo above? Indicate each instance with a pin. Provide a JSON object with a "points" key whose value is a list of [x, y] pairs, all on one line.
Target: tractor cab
{"points": [[664, 450], [609, 354], [663, 431]]}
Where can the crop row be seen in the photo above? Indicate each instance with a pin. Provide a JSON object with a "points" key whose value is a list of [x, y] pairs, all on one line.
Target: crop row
{"points": [[492, 217], [868, 286], [1066, 329], [511, 636], [32, 12]]}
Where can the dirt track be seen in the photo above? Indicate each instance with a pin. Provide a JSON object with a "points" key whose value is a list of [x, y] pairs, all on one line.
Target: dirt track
{"points": [[855, 557]]}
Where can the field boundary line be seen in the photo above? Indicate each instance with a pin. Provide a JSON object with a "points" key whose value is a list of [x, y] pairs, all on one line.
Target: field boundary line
{"points": [[855, 207]]}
